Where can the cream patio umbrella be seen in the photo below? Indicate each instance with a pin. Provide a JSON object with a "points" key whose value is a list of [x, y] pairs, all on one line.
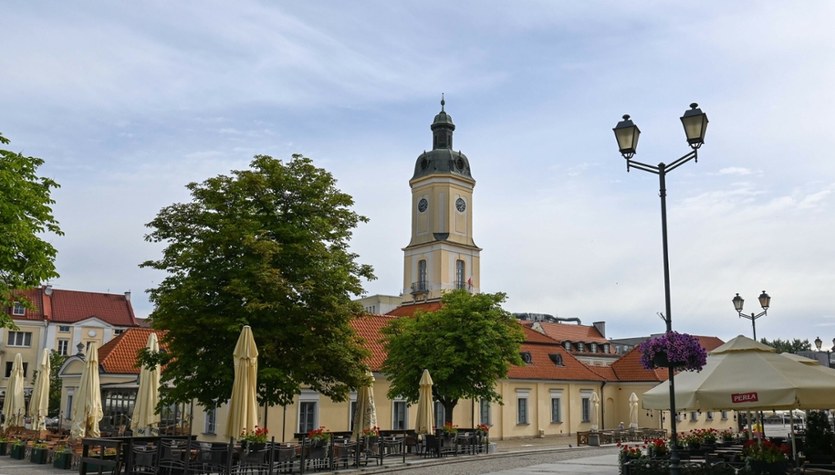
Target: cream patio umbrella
{"points": [[13, 405], [365, 414], [744, 375], [595, 403], [425, 419], [86, 406], [145, 418], [633, 411], [39, 404], [243, 406]]}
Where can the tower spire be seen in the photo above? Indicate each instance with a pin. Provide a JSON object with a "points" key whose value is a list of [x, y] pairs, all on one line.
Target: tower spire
{"points": [[443, 102]]}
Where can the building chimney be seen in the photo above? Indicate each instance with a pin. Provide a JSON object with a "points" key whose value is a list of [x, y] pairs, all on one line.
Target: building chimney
{"points": [[48, 289], [127, 295], [601, 328]]}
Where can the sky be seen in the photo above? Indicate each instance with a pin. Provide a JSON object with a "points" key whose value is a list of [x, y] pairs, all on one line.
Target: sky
{"points": [[127, 102]]}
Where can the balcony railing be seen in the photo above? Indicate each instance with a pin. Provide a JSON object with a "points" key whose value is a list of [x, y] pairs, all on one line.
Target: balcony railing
{"points": [[420, 287]]}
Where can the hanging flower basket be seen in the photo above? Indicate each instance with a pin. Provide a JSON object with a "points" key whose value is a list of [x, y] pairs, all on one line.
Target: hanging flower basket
{"points": [[677, 350]]}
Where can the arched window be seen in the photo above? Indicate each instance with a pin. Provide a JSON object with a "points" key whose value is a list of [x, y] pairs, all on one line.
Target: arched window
{"points": [[421, 283]]}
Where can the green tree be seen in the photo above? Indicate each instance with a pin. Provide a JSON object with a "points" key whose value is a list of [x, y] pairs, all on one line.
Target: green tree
{"points": [[55, 361], [788, 346], [467, 346], [266, 247], [26, 260]]}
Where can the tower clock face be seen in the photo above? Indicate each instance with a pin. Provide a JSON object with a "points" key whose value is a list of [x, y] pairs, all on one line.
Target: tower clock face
{"points": [[422, 205], [460, 205]]}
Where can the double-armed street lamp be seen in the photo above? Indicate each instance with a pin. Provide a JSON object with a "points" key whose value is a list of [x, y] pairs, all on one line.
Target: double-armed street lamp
{"points": [[627, 133], [765, 302], [819, 343]]}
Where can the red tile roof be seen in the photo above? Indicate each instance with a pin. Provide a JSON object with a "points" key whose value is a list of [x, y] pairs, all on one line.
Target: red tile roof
{"points": [[369, 327], [543, 367], [118, 356], [70, 306], [407, 310], [571, 332]]}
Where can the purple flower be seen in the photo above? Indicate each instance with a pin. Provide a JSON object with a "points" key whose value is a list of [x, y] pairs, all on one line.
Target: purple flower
{"points": [[679, 350]]}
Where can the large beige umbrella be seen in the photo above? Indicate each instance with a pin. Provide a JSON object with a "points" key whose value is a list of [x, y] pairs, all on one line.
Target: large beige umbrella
{"points": [[633, 411], [13, 405], [243, 406], [365, 414], [744, 374], [39, 404], [595, 403], [86, 406], [145, 418], [425, 419]]}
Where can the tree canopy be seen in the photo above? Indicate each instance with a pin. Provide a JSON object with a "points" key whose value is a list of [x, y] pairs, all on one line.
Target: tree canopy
{"points": [[265, 247], [788, 346], [26, 260], [467, 346]]}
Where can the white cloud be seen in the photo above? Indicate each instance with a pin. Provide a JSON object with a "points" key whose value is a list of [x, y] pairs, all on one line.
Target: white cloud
{"points": [[128, 103]]}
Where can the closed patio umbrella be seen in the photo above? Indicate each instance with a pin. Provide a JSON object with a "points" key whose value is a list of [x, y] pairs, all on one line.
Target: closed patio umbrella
{"points": [[425, 419], [13, 405], [145, 418], [633, 411], [365, 414], [595, 404], [39, 404], [86, 406], [243, 405]]}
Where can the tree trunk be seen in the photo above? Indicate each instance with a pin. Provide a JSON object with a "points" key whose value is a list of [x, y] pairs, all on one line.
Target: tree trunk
{"points": [[449, 406]]}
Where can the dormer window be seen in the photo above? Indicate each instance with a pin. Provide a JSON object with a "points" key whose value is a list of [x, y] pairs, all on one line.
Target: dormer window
{"points": [[18, 309], [556, 358], [526, 357], [581, 346], [594, 347], [567, 345]]}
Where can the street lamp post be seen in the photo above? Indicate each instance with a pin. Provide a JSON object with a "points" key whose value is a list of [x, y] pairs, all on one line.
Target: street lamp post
{"points": [[819, 343], [627, 133], [765, 302]]}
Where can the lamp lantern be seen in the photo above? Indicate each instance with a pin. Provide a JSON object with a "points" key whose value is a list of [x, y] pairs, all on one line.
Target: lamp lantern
{"points": [[818, 343], [765, 300], [627, 133], [738, 301], [695, 125]]}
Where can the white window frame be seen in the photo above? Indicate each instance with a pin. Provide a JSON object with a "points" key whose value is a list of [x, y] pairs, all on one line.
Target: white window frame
{"points": [[24, 337], [210, 424], [484, 411], [64, 328], [66, 349], [18, 309], [522, 407], [440, 414], [394, 405], [585, 406], [308, 397], [352, 407], [556, 395]]}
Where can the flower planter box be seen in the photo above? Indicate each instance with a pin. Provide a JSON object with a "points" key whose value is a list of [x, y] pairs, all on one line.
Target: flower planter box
{"points": [[38, 455], [769, 468], [62, 460], [18, 452]]}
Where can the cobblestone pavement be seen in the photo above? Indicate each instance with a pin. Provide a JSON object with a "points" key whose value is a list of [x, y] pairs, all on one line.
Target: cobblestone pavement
{"points": [[590, 461], [512, 457]]}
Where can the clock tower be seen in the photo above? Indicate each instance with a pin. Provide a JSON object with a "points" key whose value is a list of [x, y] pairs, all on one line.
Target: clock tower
{"points": [[441, 255]]}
